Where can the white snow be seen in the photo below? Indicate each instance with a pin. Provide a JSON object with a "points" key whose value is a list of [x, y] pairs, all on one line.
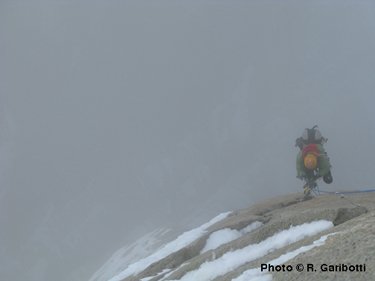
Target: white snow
{"points": [[173, 271], [257, 274], [227, 235], [141, 248], [231, 260], [160, 273], [182, 241]]}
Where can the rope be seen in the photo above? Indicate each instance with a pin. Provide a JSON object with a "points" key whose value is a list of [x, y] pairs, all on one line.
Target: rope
{"points": [[342, 194], [347, 192]]}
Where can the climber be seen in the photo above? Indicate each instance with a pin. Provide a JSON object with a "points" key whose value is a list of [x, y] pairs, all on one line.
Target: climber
{"points": [[312, 160]]}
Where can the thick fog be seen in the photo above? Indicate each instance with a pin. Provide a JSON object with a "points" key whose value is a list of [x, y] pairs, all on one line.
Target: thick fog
{"points": [[117, 117]]}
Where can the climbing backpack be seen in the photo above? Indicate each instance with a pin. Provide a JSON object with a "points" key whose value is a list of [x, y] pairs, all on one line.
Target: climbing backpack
{"points": [[313, 135]]}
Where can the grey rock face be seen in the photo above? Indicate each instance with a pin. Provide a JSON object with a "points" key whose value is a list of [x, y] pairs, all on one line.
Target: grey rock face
{"points": [[351, 247]]}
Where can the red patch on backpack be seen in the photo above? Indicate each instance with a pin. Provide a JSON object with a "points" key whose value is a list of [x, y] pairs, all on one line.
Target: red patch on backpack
{"points": [[310, 148]]}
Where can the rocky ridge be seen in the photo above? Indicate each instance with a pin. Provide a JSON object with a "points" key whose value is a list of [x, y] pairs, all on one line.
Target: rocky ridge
{"points": [[353, 241]]}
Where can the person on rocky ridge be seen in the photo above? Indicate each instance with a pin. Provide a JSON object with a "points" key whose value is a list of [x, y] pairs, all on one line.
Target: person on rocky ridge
{"points": [[312, 159]]}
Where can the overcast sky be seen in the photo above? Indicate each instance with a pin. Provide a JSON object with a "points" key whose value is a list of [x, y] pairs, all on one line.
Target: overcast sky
{"points": [[117, 117]]}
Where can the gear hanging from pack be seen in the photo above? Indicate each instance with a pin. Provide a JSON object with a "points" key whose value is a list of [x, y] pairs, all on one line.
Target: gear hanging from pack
{"points": [[313, 135]]}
